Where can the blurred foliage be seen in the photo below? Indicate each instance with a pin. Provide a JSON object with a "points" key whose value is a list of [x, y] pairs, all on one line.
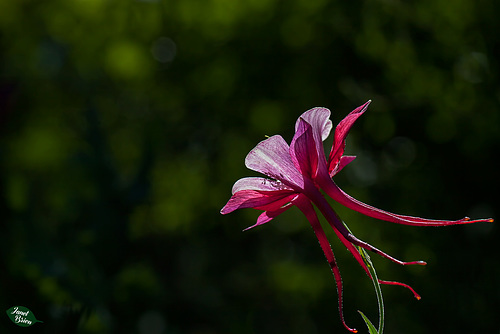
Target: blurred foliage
{"points": [[125, 123]]}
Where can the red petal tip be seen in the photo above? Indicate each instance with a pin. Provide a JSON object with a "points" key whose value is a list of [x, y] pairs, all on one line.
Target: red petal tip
{"points": [[491, 220], [421, 263], [418, 297]]}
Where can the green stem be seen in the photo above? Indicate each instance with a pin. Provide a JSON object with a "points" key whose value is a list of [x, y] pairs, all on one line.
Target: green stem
{"points": [[378, 290]]}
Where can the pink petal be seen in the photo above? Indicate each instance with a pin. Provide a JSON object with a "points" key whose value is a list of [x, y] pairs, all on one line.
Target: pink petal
{"points": [[271, 157], [258, 183], [341, 132], [303, 150], [267, 216], [319, 119], [258, 199], [344, 161]]}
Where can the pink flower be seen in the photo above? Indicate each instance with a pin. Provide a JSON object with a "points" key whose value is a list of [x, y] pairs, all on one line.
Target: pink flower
{"points": [[295, 175]]}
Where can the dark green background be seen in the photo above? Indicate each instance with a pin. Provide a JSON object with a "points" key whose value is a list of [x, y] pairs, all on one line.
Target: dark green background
{"points": [[124, 124]]}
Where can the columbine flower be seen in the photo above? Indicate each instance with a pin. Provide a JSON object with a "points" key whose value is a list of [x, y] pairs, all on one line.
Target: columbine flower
{"points": [[295, 175]]}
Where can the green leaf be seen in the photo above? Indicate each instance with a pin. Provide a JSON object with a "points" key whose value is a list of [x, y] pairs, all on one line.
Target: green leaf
{"points": [[368, 323], [21, 316]]}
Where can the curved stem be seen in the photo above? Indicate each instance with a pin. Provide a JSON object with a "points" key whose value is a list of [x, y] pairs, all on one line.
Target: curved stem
{"points": [[378, 290]]}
